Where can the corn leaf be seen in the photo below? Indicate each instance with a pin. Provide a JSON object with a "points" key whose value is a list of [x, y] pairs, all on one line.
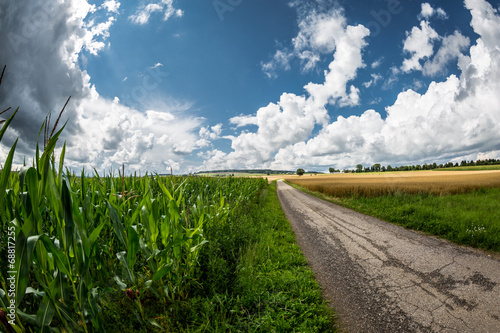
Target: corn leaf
{"points": [[45, 314], [117, 225], [6, 172], [22, 266], [122, 256], [162, 271], [67, 214], [95, 233], [133, 247], [59, 257], [6, 124]]}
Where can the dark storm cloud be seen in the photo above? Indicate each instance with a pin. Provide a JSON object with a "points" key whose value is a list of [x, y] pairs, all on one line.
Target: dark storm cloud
{"points": [[39, 44]]}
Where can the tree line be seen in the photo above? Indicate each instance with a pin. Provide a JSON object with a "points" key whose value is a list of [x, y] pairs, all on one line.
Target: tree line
{"points": [[379, 168]]}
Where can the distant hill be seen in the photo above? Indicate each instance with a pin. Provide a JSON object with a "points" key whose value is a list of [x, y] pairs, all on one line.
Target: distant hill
{"points": [[252, 171]]}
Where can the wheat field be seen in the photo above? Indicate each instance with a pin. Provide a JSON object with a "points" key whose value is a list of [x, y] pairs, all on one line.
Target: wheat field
{"points": [[369, 185]]}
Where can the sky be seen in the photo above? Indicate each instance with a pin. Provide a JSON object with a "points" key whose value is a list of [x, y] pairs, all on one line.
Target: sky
{"points": [[249, 84]]}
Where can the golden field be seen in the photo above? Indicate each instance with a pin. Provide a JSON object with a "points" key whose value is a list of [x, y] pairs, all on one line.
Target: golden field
{"points": [[411, 182]]}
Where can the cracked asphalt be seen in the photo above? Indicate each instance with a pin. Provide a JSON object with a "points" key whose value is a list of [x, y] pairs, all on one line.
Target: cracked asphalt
{"points": [[380, 277]]}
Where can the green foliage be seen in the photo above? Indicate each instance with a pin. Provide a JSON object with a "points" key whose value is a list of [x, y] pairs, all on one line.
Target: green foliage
{"points": [[79, 240], [300, 172], [261, 281], [142, 254]]}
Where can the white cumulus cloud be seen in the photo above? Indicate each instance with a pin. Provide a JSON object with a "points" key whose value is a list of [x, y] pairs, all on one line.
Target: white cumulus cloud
{"points": [[318, 33], [145, 11], [419, 43], [293, 119], [455, 118], [112, 6], [428, 11]]}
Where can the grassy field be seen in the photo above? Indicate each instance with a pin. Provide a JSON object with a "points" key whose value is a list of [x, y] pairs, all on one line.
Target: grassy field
{"points": [[463, 208], [472, 168]]}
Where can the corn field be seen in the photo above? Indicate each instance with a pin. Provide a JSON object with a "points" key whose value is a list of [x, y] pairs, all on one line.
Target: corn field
{"points": [[77, 238]]}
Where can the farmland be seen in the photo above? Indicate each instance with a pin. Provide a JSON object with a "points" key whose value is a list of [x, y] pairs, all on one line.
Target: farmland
{"points": [[461, 206], [94, 254], [370, 185]]}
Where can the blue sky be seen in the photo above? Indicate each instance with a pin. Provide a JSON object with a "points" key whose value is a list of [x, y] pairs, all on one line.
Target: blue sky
{"points": [[202, 85]]}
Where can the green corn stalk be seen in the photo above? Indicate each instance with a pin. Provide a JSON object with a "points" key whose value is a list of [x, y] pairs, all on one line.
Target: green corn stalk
{"points": [[75, 234]]}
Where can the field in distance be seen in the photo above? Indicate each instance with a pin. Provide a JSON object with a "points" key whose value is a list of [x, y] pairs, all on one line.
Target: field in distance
{"points": [[461, 206], [472, 168], [410, 182]]}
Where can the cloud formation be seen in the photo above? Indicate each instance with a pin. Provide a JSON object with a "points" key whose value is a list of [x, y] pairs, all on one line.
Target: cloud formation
{"points": [[420, 44], [428, 11], [42, 44], [144, 11], [316, 37], [454, 119], [293, 119]]}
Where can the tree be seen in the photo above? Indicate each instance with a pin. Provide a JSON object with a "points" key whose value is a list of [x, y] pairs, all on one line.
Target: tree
{"points": [[376, 167], [300, 172], [359, 168]]}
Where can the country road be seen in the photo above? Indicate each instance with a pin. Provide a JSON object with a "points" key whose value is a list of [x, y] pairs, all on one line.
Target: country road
{"points": [[383, 278]]}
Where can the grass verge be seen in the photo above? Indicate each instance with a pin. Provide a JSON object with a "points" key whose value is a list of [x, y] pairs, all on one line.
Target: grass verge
{"points": [[260, 280], [471, 219]]}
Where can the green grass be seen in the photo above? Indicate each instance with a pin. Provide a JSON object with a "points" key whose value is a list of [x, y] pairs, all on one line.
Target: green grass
{"points": [[472, 168], [471, 219], [256, 278]]}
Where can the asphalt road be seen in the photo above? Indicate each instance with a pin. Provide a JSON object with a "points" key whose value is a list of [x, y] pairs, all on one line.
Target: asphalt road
{"points": [[383, 278]]}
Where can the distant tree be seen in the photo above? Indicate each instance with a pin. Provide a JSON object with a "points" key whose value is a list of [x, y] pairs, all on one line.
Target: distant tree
{"points": [[300, 172], [359, 168], [376, 167], [332, 170], [389, 168]]}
